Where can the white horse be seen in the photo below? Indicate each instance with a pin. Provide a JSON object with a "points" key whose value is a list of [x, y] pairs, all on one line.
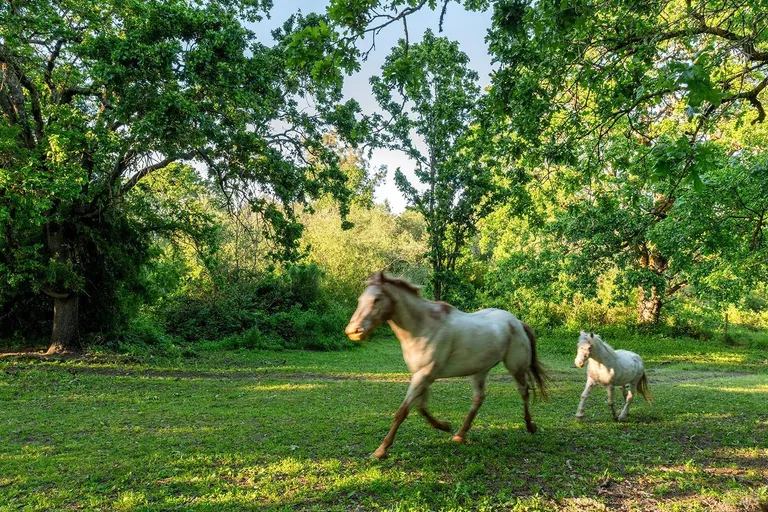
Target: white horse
{"points": [[610, 368], [440, 341]]}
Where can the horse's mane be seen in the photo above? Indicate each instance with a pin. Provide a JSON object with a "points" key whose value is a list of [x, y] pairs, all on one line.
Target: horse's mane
{"points": [[440, 308], [380, 278], [587, 335]]}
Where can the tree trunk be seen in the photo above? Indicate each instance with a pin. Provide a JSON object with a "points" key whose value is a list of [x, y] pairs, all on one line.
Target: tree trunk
{"points": [[66, 325], [66, 304], [648, 306], [437, 289]]}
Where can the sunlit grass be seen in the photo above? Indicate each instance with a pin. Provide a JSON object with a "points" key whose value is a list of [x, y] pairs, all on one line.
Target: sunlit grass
{"points": [[250, 430]]}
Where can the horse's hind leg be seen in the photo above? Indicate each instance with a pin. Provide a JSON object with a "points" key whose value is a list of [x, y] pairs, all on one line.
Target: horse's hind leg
{"points": [[630, 396], [478, 395], [433, 422], [521, 377]]}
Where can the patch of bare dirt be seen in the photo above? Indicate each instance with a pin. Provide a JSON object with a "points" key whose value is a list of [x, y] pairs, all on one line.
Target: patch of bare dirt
{"points": [[632, 494]]}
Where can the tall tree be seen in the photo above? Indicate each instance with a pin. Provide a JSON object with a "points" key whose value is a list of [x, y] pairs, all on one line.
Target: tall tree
{"points": [[96, 96], [431, 96], [632, 97]]}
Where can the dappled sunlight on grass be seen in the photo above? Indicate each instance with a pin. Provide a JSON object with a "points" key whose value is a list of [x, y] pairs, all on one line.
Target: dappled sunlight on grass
{"points": [[128, 501], [752, 453], [282, 387], [165, 430], [708, 358], [756, 389], [293, 430]]}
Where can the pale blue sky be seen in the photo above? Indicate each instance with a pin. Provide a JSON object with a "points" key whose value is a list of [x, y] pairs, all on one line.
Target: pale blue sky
{"points": [[468, 28]]}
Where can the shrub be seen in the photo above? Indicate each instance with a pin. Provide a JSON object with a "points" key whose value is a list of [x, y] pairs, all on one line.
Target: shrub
{"points": [[142, 336], [305, 329], [235, 308]]}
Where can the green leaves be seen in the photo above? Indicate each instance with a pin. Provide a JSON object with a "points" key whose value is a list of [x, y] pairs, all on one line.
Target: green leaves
{"points": [[696, 80], [99, 96], [432, 99]]}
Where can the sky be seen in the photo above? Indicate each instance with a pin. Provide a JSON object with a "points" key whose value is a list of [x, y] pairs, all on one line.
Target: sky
{"points": [[468, 28]]}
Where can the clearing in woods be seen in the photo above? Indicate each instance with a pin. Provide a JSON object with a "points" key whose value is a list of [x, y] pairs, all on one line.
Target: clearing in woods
{"points": [[293, 430]]}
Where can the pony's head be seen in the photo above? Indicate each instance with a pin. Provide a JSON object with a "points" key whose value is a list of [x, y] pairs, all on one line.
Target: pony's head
{"points": [[374, 307], [584, 346]]}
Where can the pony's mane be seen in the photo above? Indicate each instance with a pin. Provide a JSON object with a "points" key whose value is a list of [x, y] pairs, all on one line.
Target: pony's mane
{"points": [[380, 278], [586, 335]]}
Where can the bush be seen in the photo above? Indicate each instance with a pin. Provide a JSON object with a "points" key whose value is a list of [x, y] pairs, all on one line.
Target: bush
{"points": [[252, 338], [276, 311], [141, 337], [234, 308], [207, 318], [305, 329]]}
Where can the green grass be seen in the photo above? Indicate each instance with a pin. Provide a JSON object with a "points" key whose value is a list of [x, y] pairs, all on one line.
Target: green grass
{"points": [[293, 430]]}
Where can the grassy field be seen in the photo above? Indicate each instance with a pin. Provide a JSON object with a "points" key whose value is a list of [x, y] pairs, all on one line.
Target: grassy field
{"points": [[293, 430]]}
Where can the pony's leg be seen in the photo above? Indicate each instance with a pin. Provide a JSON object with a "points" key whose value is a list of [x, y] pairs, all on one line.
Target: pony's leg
{"points": [[610, 389], [630, 396], [624, 391], [478, 395], [420, 381], [522, 387], [584, 395], [434, 423]]}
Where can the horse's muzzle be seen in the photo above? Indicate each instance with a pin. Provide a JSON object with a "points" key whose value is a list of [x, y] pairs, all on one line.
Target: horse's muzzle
{"points": [[355, 332]]}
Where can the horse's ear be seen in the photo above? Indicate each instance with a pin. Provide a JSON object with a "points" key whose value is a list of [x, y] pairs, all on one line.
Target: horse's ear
{"points": [[583, 332], [380, 276]]}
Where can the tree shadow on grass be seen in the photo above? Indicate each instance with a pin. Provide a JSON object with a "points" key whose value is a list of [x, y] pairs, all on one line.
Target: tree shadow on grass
{"points": [[287, 444]]}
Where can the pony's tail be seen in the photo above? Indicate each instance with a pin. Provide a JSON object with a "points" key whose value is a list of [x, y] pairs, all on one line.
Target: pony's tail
{"points": [[642, 388], [539, 378]]}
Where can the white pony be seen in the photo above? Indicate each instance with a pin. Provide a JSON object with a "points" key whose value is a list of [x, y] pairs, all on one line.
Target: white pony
{"points": [[440, 341], [610, 368]]}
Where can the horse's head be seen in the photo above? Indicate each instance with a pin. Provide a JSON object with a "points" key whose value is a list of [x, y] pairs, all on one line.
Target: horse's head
{"points": [[584, 346], [374, 307]]}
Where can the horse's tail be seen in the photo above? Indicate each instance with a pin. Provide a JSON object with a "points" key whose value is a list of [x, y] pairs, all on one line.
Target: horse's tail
{"points": [[539, 378], [642, 387]]}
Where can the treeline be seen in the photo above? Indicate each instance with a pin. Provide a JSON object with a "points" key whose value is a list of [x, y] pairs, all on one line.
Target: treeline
{"points": [[211, 282], [167, 173]]}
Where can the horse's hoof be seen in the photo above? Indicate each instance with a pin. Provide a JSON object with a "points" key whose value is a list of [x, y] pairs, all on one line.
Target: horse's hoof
{"points": [[579, 416], [532, 428], [621, 418], [442, 425], [458, 439], [379, 454]]}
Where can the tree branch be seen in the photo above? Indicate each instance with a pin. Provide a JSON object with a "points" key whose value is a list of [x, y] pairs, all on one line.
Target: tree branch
{"points": [[49, 67], [68, 94], [34, 96], [751, 95], [442, 15], [56, 295], [150, 169]]}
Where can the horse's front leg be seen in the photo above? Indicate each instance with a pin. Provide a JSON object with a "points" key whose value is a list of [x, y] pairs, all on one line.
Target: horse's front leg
{"points": [[630, 396], [420, 381], [584, 395], [433, 422], [609, 388]]}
